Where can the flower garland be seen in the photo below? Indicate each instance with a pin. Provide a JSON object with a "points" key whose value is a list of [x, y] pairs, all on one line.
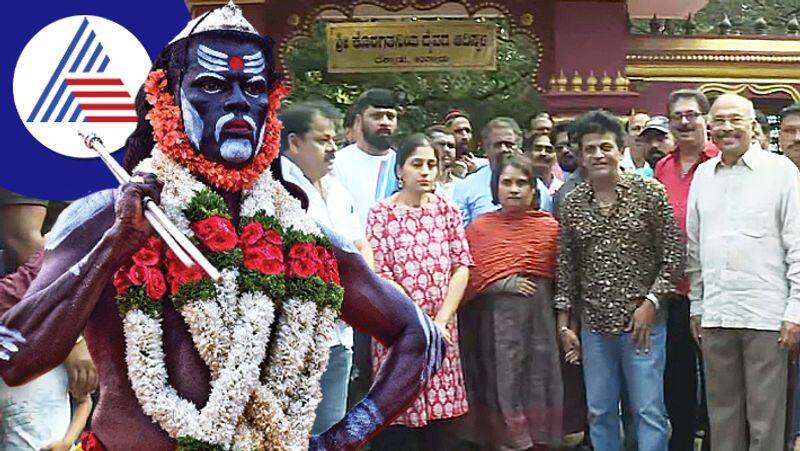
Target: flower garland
{"points": [[276, 267], [168, 132]]}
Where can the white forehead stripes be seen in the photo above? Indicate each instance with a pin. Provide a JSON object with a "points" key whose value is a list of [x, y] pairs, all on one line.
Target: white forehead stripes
{"points": [[209, 74], [217, 61], [211, 59], [254, 64]]}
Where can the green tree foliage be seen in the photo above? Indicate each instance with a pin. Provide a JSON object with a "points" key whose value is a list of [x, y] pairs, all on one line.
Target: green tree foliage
{"points": [[742, 14], [426, 96]]}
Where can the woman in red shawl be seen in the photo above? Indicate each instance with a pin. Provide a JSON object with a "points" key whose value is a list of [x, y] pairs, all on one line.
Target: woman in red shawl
{"points": [[508, 339]]}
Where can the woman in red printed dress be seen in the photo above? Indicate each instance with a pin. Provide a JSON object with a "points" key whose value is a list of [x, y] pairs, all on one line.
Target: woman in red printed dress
{"points": [[420, 246]]}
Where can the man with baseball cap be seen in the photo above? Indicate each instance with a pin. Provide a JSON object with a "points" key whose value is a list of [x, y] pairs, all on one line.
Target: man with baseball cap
{"points": [[657, 139]]}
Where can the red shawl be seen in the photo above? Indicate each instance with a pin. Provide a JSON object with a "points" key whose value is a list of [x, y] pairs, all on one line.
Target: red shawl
{"points": [[503, 244]]}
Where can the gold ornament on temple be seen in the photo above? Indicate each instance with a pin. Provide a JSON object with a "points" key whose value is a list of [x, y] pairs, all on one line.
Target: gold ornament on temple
{"points": [[621, 83], [577, 82], [591, 82], [562, 81], [606, 82]]}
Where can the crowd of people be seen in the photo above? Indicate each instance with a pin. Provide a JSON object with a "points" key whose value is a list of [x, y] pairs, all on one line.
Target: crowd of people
{"points": [[634, 284]]}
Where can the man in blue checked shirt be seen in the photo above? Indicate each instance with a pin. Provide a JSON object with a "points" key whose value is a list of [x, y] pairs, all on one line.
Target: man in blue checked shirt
{"points": [[472, 194]]}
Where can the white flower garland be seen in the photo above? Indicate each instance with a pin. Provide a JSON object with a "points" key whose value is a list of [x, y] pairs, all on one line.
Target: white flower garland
{"points": [[231, 333]]}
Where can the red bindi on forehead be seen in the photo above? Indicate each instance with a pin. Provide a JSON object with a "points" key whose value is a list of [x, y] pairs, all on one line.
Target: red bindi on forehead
{"points": [[236, 62]]}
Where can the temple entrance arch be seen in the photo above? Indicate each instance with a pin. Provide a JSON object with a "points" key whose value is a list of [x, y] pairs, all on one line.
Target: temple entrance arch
{"points": [[513, 89]]}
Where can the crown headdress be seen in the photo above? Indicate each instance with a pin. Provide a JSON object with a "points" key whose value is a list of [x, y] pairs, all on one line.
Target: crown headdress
{"points": [[228, 17]]}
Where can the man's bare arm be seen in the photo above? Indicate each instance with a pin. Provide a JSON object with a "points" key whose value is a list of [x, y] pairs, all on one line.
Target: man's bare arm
{"points": [[78, 265], [373, 306]]}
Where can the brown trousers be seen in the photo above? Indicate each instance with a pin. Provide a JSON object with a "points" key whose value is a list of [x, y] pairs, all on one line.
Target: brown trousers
{"points": [[746, 377]]}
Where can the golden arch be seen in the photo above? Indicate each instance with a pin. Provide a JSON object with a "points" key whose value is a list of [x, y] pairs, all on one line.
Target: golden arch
{"points": [[722, 88]]}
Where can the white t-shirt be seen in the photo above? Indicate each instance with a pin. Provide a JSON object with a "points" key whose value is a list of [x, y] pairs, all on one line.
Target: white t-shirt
{"points": [[368, 178], [335, 212], [35, 414]]}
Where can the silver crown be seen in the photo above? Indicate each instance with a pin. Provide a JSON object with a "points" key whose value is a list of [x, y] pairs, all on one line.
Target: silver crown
{"points": [[228, 17]]}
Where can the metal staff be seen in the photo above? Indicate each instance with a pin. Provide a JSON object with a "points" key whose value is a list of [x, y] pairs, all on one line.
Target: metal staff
{"points": [[173, 237]]}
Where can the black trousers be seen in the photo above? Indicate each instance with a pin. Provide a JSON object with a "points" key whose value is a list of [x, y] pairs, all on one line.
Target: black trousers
{"points": [[680, 375], [361, 373], [438, 435]]}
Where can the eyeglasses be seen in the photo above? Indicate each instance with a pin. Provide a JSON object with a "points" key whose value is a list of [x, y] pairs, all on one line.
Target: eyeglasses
{"points": [[690, 116]]}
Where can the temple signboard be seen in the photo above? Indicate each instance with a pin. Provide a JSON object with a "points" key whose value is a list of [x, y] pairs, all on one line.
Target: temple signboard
{"points": [[411, 46]]}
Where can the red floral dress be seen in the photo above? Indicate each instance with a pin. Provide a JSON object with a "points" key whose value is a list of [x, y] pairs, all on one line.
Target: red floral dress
{"points": [[419, 248]]}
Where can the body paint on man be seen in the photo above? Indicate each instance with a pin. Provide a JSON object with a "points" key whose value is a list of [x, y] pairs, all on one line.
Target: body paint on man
{"points": [[103, 230]]}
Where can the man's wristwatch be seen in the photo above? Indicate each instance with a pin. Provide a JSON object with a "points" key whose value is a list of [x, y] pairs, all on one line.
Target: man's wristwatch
{"points": [[654, 299]]}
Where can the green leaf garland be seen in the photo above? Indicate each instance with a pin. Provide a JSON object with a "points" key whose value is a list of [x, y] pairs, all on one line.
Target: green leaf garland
{"points": [[201, 290], [205, 204], [135, 298], [229, 259], [273, 285], [187, 443]]}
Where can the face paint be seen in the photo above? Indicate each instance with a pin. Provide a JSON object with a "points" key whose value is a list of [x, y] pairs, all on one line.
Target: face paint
{"points": [[211, 59], [254, 64], [236, 150], [230, 121], [192, 122], [224, 100], [217, 61]]}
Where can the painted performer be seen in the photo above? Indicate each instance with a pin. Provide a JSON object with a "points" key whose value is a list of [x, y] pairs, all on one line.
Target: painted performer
{"points": [[185, 362]]}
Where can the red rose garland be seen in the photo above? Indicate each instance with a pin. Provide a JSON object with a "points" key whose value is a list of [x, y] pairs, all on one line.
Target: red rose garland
{"points": [[140, 283], [294, 265], [180, 274], [165, 117], [216, 233], [303, 261], [329, 269], [89, 442], [263, 249], [144, 271]]}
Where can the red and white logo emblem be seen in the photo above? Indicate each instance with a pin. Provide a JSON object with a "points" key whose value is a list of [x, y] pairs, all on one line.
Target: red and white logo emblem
{"points": [[80, 73]]}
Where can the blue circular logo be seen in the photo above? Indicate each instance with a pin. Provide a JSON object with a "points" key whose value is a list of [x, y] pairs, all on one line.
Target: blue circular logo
{"points": [[76, 66]]}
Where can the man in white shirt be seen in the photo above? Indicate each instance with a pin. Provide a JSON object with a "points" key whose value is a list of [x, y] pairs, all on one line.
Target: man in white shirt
{"points": [[307, 155], [789, 135], [743, 228], [367, 168], [542, 153], [633, 127]]}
